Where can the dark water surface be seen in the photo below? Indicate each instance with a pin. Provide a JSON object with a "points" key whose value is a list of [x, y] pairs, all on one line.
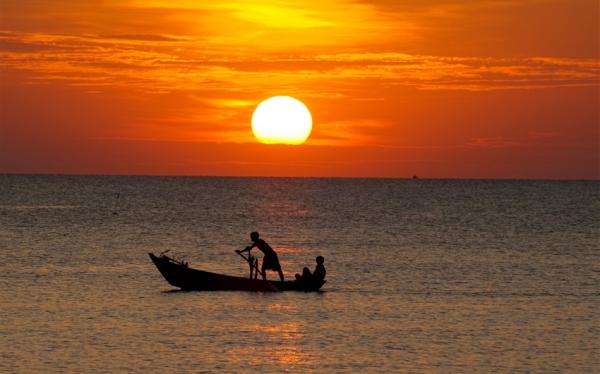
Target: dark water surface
{"points": [[423, 276]]}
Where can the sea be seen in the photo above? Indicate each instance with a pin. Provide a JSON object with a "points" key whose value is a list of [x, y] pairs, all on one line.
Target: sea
{"points": [[423, 276]]}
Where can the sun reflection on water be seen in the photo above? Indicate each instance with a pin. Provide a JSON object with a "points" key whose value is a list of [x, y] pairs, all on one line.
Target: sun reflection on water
{"points": [[282, 307], [275, 343]]}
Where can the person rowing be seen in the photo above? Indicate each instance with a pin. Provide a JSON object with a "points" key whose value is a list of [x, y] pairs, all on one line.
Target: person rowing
{"points": [[270, 259]]}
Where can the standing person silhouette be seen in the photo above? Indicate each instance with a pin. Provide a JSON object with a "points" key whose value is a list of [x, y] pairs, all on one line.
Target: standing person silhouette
{"points": [[270, 259]]}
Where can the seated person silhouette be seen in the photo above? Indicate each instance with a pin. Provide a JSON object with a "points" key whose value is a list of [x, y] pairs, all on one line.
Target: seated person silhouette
{"points": [[317, 276], [319, 273]]}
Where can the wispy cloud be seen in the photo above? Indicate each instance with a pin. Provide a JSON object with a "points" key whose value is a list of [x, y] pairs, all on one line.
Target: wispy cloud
{"points": [[155, 62]]}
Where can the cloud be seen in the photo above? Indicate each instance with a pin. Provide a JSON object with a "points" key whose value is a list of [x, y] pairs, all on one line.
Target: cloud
{"points": [[153, 62]]}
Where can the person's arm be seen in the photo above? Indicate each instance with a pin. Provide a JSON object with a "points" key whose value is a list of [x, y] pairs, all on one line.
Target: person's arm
{"points": [[247, 249]]}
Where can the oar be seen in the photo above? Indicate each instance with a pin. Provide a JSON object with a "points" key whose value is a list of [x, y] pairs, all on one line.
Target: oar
{"points": [[258, 270]]}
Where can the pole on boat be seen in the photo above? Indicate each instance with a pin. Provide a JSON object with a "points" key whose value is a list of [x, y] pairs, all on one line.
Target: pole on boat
{"points": [[253, 265], [251, 259], [257, 270]]}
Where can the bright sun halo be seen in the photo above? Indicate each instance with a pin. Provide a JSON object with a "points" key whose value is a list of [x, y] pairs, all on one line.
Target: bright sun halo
{"points": [[281, 120]]}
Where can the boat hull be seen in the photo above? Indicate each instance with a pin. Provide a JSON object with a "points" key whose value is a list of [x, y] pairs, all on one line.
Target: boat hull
{"points": [[181, 276]]}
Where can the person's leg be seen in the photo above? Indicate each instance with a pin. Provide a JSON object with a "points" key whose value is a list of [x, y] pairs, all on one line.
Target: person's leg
{"points": [[264, 271], [306, 273], [280, 274]]}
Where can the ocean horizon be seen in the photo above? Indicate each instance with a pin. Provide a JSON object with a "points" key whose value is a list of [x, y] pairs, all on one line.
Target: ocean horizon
{"points": [[408, 177]]}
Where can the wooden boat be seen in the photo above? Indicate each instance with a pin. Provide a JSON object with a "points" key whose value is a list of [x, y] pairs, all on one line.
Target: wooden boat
{"points": [[180, 275]]}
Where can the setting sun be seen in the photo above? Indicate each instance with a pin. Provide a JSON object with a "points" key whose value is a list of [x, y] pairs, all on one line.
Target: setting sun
{"points": [[281, 120]]}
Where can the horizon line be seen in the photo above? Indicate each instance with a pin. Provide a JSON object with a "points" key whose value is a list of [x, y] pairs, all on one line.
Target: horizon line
{"points": [[407, 178]]}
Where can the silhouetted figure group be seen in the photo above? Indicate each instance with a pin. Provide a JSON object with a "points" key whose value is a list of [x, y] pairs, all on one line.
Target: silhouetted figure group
{"points": [[271, 262]]}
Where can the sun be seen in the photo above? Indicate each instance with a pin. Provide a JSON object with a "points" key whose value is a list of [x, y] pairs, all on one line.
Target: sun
{"points": [[281, 120]]}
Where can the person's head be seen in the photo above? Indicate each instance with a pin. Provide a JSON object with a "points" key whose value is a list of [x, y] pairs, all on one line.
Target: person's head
{"points": [[320, 260], [254, 236]]}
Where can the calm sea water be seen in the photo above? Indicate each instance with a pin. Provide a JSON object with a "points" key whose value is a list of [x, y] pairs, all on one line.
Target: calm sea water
{"points": [[423, 276]]}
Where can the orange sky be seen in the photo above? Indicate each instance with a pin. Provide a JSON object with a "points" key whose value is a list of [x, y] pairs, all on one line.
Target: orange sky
{"points": [[446, 88]]}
